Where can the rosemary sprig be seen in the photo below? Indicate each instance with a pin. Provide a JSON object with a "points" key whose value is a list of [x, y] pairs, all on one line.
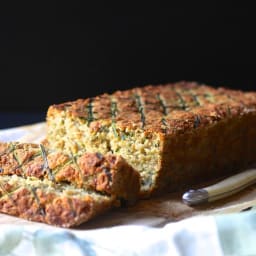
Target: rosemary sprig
{"points": [[90, 117], [197, 102], [182, 101], [6, 192], [113, 116], [163, 105], [41, 209], [46, 165], [165, 110], [209, 97], [20, 164], [73, 159], [141, 110], [10, 148], [197, 121]]}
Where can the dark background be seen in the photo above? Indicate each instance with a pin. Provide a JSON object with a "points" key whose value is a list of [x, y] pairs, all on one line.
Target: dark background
{"points": [[50, 53]]}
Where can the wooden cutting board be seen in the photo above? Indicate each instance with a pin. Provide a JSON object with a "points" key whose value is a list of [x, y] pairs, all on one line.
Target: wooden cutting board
{"points": [[155, 211]]}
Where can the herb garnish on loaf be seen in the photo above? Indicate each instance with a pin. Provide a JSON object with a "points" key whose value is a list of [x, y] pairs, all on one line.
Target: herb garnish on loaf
{"points": [[62, 189], [51, 203], [172, 134]]}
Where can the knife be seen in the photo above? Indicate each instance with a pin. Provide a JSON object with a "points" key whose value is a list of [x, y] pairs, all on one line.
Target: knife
{"points": [[222, 189]]}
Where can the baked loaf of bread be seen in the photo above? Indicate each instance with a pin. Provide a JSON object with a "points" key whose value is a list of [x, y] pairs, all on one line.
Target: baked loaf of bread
{"points": [[107, 174], [173, 134], [48, 202], [62, 189]]}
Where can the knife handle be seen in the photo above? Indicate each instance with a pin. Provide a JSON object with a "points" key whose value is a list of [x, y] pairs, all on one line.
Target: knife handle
{"points": [[222, 189]]}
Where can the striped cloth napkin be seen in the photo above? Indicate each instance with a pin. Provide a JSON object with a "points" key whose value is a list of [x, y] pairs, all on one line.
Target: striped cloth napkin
{"points": [[224, 234]]}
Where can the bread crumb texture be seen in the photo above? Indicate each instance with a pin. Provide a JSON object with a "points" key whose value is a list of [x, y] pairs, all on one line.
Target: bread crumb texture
{"points": [[172, 134]]}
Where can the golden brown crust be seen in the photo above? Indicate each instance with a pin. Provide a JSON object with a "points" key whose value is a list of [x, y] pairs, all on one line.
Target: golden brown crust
{"points": [[170, 108], [183, 125], [219, 150], [40, 202], [107, 174]]}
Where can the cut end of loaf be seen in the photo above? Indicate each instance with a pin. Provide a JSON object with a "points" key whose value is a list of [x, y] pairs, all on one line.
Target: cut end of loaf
{"points": [[106, 174], [54, 204], [140, 149], [62, 189]]}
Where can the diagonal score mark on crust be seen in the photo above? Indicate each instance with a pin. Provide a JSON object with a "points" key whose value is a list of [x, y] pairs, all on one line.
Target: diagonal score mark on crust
{"points": [[182, 101], [41, 209], [90, 116], [60, 205], [6, 193], [74, 161], [165, 110], [113, 110], [212, 116], [140, 108], [46, 165]]}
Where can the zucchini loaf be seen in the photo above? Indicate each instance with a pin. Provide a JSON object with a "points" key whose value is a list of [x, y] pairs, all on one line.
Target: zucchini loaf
{"points": [[172, 134], [62, 189], [107, 174], [51, 203]]}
